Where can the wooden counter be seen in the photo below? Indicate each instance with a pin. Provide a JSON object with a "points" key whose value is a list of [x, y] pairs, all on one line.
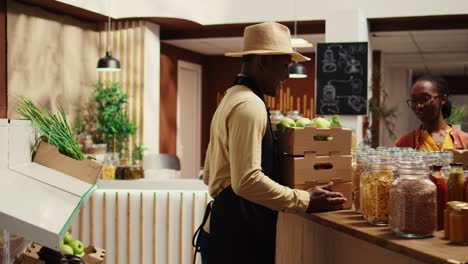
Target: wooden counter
{"points": [[344, 237]]}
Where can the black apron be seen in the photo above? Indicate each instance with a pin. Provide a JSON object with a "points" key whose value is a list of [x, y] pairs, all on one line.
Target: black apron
{"points": [[242, 231]]}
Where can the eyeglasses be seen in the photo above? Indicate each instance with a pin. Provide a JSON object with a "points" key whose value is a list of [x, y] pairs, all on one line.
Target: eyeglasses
{"points": [[421, 100]]}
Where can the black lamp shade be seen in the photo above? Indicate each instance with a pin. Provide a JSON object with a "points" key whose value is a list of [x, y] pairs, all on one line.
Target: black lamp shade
{"points": [[108, 63], [297, 70]]}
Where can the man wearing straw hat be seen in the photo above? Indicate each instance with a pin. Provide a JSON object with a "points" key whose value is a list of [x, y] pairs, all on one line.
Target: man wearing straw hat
{"points": [[241, 162]]}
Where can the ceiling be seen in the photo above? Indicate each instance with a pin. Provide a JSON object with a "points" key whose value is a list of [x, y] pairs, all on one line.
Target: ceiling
{"points": [[443, 52]]}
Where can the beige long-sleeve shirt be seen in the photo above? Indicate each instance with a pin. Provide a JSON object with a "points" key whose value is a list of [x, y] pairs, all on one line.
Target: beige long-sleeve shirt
{"points": [[234, 154]]}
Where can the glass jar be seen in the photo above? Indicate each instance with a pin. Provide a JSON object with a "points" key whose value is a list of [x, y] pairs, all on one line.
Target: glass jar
{"points": [[413, 200], [294, 115], [109, 166], [85, 142], [358, 156], [275, 116], [456, 182], [448, 208], [438, 178], [375, 189], [458, 229]]}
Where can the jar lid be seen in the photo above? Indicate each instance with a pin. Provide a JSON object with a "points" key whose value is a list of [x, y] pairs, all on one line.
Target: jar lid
{"points": [[456, 205], [457, 164]]}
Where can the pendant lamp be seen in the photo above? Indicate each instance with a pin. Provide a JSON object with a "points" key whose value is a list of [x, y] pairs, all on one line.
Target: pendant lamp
{"points": [[295, 69], [108, 63]]}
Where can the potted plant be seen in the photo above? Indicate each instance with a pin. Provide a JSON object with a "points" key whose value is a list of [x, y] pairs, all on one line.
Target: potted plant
{"points": [[112, 117], [457, 115]]}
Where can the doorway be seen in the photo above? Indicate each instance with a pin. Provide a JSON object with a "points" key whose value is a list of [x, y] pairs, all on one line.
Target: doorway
{"points": [[189, 118]]}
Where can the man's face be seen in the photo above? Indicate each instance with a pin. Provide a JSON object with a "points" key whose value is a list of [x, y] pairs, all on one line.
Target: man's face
{"points": [[275, 71]]}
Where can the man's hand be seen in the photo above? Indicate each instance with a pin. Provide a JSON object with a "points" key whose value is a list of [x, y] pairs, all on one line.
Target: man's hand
{"points": [[322, 198]]}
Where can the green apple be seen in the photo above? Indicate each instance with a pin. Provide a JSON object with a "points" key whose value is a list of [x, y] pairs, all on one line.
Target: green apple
{"points": [[303, 121], [284, 123], [66, 249], [81, 254], [77, 246], [67, 238], [321, 122]]}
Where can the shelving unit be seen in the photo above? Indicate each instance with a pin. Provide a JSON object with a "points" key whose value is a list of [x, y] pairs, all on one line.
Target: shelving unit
{"points": [[36, 202]]}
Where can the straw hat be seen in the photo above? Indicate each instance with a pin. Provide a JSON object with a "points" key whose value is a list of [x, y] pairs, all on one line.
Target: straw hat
{"points": [[269, 38]]}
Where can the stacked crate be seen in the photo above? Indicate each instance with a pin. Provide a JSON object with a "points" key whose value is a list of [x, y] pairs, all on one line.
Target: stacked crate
{"points": [[314, 156]]}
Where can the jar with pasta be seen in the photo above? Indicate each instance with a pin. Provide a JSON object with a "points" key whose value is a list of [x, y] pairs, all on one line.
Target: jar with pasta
{"points": [[413, 200], [375, 189], [358, 163]]}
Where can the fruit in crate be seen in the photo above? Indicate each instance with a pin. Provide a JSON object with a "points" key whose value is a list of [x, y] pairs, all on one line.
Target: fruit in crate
{"points": [[77, 247], [66, 249], [67, 238], [284, 123], [303, 121], [321, 122]]}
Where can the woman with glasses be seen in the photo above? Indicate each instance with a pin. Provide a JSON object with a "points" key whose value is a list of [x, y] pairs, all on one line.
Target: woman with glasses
{"points": [[429, 101]]}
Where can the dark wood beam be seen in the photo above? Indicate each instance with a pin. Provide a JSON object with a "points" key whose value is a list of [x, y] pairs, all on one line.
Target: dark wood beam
{"points": [[419, 23], [236, 30], [3, 61]]}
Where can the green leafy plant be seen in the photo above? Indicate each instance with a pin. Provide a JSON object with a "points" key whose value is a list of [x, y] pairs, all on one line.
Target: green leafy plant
{"points": [[457, 115], [379, 112], [112, 118], [139, 151], [53, 128]]}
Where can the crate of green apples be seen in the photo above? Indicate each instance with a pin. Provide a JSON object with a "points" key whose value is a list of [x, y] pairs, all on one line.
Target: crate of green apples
{"points": [[319, 135]]}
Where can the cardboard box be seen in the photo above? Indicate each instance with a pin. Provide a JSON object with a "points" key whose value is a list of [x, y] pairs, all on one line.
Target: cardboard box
{"points": [[315, 169], [94, 255], [31, 255], [343, 187], [87, 170], [298, 140]]}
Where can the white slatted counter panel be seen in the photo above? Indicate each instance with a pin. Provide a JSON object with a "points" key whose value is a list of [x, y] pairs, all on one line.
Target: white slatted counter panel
{"points": [[142, 227]]}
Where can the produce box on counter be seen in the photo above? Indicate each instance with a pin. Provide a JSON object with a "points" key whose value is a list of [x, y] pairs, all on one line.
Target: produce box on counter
{"points": [[315, 169], [323, 141], [87, 170], [33, 255]]}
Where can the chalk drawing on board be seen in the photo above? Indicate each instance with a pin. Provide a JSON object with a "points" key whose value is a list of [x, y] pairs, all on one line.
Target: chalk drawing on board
{"points": [[357, 102], [329, 61], [345, 61], [329, 103]]}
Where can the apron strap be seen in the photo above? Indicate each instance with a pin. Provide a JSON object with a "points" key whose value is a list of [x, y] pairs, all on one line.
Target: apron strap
{"points": [[196, 235]]}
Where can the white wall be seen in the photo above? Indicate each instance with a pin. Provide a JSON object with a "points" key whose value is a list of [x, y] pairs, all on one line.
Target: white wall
{"points": [[395, 83], [243, 11]]}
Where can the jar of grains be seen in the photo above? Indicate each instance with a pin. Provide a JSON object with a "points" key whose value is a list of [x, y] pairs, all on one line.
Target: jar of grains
{"points": [[375, 189], [413, 200], [456, 182], [358, 156]]}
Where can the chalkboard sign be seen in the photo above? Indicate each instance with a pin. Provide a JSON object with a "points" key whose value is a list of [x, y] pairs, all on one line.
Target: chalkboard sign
{"points": [[341, 75]]}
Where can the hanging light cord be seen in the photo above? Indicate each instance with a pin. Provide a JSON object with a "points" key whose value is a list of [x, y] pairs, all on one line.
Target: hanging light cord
{"points": [[108, 34]]}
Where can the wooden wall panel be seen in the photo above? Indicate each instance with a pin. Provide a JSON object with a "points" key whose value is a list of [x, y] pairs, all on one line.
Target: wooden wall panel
{"points": [[127, 43]]}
